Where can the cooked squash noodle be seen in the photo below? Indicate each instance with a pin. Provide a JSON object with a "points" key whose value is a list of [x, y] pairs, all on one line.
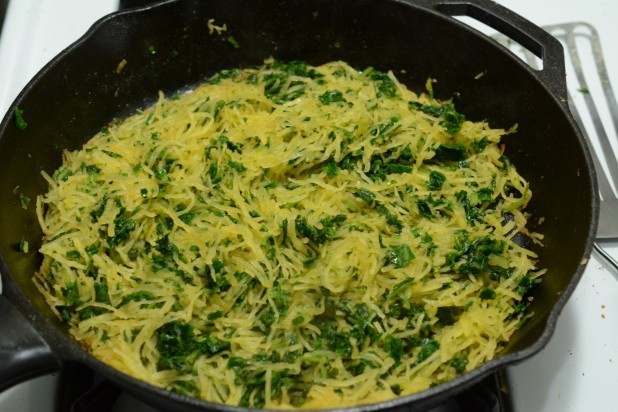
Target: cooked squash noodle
{"points": [[290, 236]]}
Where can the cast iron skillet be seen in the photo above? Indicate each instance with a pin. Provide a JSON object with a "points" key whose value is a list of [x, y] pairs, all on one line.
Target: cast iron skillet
{"points": [[168, 47]]}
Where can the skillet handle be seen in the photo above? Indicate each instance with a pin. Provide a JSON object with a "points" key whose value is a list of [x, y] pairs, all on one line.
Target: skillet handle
{"points": [[532, 37], [23, 353]]}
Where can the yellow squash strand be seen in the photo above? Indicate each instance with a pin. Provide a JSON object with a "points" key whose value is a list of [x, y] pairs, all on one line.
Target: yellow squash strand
{"points": [[290, 236]]}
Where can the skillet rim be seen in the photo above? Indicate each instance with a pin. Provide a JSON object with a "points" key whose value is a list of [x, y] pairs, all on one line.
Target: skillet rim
{"points": [[71, 350]]}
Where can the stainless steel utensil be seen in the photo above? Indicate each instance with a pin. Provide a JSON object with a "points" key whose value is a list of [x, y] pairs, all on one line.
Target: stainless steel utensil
{"points": [[595, 113]]}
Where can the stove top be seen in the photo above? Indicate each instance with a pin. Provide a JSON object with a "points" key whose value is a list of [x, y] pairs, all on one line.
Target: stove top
{"points": [[575, 372]]}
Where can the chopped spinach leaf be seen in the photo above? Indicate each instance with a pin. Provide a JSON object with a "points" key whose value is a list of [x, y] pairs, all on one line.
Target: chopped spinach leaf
{"points": [[233, 42], [71, 294], [525, 284], [400, 256], [394, 347], [332, 96], [179, 346], [62, 174], [460, 362], [436, 180], [425, 209], [140, 296], [20, 122], [473, 214], [451, 119], [400, 287], [239, 167], [428, 348], [479, 145], [487, 294], [123, 226], [91, 169], [366, 195], [100, 208], [391, 219], [320, 235], [330, 168], [384, 83], [101, 293], [448, 315], [451, 152]]}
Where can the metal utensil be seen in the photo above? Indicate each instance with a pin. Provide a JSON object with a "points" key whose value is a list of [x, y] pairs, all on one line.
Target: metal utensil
{"points": [[578, 38], [608, 218]]}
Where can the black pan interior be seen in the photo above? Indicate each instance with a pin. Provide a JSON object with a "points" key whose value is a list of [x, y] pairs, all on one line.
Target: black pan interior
{"points": [[170, 48]]}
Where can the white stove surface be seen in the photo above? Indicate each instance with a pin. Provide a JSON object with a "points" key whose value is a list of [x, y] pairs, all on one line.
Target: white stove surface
{"points": [[576, 372]]}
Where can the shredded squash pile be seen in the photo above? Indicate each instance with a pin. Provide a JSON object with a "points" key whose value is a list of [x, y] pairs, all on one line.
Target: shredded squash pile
{"points": [[290, 236]]}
